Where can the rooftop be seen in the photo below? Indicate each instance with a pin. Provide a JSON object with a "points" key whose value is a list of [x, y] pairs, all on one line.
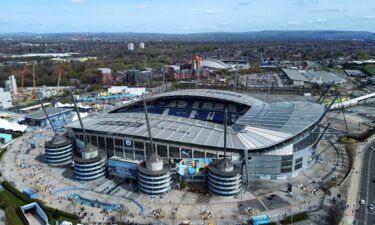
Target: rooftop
{"points": [[264, 125], [39, 115], [295, 75], [323, 77]]}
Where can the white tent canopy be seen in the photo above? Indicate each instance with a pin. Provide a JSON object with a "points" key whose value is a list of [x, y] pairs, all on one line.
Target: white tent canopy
{"points": [[6, 125]]}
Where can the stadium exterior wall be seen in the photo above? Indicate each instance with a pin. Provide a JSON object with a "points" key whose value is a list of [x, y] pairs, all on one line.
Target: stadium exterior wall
{"points": [[277, 162]]}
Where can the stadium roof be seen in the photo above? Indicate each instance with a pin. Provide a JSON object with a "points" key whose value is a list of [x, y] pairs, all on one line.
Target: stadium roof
{"points": [[216, 64], [203, 93], [295, 75], [215, 94], [264, 125]]}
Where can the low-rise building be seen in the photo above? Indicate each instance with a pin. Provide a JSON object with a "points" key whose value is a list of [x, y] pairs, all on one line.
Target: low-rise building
{"points": [[323, 77], [34, 214], [5, 99], [295, 77], [355, 73], [39, 118], [11, 85]]}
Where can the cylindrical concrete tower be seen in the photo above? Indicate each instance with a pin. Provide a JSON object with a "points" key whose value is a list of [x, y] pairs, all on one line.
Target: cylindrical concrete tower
{"points": [[154, 176], [58, 151], [91, 165], [224, 178]]}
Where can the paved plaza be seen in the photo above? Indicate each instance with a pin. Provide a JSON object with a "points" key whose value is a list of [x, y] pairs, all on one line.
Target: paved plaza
{"points": [[25, 168]]}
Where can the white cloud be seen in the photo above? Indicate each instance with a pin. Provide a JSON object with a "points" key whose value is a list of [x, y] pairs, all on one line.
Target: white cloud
{"points": [[207, 12], [294, 23], [244, 3], [306, 2], [363, 18], [76, 1], [206, 27], [321, 20], [142, 7], [328, 10]]}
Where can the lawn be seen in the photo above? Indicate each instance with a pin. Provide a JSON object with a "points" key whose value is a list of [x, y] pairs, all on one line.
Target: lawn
{"points": [[370, 69], [11, 199], [9, 203]]}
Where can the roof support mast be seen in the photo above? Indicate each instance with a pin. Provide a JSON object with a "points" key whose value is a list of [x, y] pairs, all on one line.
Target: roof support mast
{"points": [[148, 124], [225, 130], [45, 112], [79, 117]]}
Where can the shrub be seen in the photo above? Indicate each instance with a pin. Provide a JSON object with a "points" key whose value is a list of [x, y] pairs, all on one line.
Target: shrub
{"points": [[296, 218]]}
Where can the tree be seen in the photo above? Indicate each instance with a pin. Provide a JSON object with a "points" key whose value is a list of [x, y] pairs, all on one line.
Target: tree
{"points": [[56, 214]]}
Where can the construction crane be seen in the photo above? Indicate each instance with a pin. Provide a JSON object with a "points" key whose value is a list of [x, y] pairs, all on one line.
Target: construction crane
{"points": [[23, 78]]}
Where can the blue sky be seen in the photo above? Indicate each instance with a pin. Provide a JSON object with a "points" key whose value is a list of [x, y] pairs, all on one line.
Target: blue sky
{"points": [[184, 16]]}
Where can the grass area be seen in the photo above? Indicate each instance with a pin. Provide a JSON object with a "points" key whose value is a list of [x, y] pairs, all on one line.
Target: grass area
{"points": [[295, 218], [2, 151], [10, 203], [370, 68], [11, 199]]}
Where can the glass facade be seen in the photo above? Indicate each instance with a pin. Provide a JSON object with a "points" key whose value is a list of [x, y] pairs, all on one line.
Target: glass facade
{"points": [[139, 149], [163, 151]]}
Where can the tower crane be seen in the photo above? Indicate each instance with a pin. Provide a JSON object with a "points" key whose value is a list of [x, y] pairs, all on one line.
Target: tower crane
{"points": [[23, 78]]}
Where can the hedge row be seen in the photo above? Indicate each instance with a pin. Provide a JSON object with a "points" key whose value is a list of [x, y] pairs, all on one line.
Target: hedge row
{"points": [[27, 200], [19, 194], [2, 152], [295, 218], [51, 210]]}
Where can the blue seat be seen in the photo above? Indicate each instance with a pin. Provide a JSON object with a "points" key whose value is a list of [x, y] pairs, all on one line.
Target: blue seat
{"points": [[218, 117], [201, 115], [180, 112]]}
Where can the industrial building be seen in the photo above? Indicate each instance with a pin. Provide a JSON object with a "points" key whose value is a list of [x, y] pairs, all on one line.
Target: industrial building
{"points": [[323, 77], [39, 118], [296, 78], [302, 77], [264, 140]]}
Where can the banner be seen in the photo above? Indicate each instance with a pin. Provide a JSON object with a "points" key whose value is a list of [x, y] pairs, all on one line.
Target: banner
{"points": [[191, 167]]}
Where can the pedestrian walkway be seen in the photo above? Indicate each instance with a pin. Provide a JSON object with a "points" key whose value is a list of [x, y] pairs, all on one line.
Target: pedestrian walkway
{"points": [[355, 183]]}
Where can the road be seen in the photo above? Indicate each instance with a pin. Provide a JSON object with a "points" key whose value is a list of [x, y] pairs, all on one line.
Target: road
{"points": [[365, 215]]}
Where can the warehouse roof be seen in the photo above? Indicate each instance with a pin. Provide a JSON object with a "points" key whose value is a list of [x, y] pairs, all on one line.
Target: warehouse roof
{"points": [[324, 77], [295, 75], [39, 115]]}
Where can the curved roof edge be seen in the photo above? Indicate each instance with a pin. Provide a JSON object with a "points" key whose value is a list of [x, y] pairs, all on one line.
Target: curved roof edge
{"points": [[204, 93]]}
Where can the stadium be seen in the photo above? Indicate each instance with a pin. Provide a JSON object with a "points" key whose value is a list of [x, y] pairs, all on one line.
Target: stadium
{"points": [[264, 140]]}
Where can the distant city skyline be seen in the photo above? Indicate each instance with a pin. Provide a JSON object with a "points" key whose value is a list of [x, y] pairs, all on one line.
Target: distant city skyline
{"points": [[181, 16]]}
